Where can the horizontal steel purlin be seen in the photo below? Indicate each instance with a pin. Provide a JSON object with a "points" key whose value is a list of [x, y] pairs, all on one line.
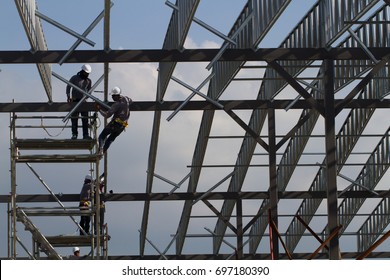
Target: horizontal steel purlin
{"points": [[192, 196], [188, 55], [190, 106]]}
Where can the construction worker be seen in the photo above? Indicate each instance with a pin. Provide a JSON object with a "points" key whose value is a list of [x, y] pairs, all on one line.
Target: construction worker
{"points": [[85, 203], [82, 81], [76, 254], [120, 114]]}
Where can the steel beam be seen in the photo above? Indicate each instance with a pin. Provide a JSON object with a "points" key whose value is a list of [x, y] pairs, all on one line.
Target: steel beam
{"points": [[187, 55], [117, 197], [140, 106]]}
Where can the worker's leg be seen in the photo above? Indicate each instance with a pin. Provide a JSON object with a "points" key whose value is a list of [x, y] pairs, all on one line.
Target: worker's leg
{"points": [[74, 119], [84, 121], [83, 222], [114, 134], [103, 135]]}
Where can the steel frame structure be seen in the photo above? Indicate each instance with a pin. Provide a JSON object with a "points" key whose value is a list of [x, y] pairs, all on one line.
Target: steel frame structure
{"points": [[343, 51]]}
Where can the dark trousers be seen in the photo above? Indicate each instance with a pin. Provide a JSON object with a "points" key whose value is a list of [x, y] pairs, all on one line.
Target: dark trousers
{"points": [[112, 131], [84, 121], [84, 223], [85, 219]]}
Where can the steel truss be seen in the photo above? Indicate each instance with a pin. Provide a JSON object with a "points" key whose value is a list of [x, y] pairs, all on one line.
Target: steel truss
{"points": [[359, 60]]}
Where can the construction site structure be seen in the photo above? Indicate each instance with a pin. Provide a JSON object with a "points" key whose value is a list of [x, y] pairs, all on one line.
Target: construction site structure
{"points": [[332, 68], [54, 152]]}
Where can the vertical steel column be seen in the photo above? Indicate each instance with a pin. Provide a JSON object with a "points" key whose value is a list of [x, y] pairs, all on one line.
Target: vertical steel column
{"points": [[331, 160], [273, 184], [107, 13], [13, 187], [9, 229], [239, 228], [97, 206]]}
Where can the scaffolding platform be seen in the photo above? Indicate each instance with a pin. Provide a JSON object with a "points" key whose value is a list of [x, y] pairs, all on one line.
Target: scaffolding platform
{"points": [[74, 240], [56, 158], [54, 144], [56, 212]]}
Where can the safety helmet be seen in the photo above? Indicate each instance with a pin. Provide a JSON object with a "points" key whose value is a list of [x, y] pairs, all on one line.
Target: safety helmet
{"points": [[76, 249], [86, 68], [88, 177], [115, 91]]}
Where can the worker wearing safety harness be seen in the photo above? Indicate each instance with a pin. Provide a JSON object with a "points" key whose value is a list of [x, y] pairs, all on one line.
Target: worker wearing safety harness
{"points": [[120, 114], [85, 203]]}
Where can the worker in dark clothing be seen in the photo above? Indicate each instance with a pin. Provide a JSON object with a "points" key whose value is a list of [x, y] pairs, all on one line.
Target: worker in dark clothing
{"points": [[102, 207], [120, 113], [85, 203], [82, 81]]}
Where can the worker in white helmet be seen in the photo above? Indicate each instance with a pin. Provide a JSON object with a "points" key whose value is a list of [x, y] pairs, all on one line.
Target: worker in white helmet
{"points": [[82, 81], [76, 254], [120, 113], [85, 204]]}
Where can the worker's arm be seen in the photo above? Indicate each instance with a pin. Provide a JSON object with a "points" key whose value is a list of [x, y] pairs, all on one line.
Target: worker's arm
{"points": [[68, 89]]}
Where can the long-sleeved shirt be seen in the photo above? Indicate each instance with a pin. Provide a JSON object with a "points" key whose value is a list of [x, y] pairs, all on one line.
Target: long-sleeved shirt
{"points": [[85, 194], [77, 80], [119, 110]]}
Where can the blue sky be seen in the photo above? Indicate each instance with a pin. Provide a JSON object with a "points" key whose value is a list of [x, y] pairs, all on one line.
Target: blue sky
{"points": [[135, 24]]}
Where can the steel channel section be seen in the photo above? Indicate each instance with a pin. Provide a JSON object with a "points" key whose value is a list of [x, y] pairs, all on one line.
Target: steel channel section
{"points": [[376, 167], [311, 37], [354, 125], [358, 119], [306, 33], [257, 119], [177, 31], [35, 35], [375, 223], [224, 73]]}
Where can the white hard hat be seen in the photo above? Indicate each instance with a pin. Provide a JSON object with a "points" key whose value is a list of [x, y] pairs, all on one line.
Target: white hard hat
{"points": [[86, 68], [76, 249], [115, 91], [88, 177]]}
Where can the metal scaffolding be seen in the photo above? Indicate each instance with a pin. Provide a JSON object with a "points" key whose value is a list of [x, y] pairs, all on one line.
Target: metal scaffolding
{"points": [[332, 48], [47, 150]]}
